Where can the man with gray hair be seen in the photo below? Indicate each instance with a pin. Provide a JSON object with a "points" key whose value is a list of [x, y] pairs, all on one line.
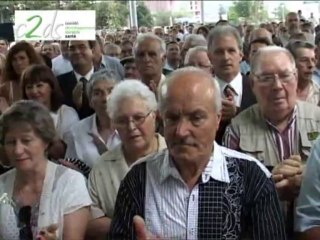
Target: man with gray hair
{"points": [[279, 130], [195, 189], [149, 52], [192, 40], [225, 54], [305, 58]]}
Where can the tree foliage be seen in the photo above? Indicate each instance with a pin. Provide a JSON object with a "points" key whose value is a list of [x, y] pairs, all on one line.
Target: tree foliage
{"points": [[252, 11], [162, 18], [144, 15], [280, 12], [111, 14]]}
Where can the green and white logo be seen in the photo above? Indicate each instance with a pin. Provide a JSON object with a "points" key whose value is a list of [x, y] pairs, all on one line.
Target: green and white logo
{"points": [[55, 25]]}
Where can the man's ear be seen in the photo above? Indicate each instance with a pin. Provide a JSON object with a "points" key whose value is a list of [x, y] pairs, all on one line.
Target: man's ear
{"points": [[251, 81], [241, 55], [163, 59]]}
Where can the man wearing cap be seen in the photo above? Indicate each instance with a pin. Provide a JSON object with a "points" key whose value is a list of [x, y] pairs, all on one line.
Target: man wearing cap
{"points": [[130, 69]]}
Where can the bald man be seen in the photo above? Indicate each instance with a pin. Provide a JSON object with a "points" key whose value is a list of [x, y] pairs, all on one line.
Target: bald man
{"points": [[260, 33], [192, 189]]}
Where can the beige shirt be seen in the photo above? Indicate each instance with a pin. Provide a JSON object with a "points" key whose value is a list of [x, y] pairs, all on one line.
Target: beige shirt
{"points": [[105, 178]]}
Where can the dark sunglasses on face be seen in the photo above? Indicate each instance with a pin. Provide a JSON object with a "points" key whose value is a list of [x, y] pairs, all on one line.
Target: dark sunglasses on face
{"points": [[24, 216]]}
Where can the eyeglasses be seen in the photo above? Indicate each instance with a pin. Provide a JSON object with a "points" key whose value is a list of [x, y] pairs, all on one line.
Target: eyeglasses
{"points": [[269, 79], [25, 232], [136, 119]]}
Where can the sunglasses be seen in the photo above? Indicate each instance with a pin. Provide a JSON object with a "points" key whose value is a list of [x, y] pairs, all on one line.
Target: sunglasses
{"points": [[25, 232]]}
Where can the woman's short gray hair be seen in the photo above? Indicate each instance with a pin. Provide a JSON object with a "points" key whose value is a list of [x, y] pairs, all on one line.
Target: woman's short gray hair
{"points": [[102, 75], [31, 113], [194, 40], [163, 88], [192, 51], [142, 37], [130, 89]]}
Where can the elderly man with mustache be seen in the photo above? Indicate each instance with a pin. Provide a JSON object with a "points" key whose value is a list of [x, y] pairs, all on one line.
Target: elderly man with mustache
{"points": [[196, 189]]}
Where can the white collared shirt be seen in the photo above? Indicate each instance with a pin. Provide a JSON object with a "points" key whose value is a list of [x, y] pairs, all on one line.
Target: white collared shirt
{"points": [[236, 84], [81, 145], [172, 209], [87, 76]]}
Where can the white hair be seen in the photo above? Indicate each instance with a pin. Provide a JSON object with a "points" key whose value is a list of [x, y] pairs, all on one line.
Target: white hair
{"points": [[192, 51], [194, 40], [163, 88], [146, 36], [102, 75], [271, 50], [130, 89]]}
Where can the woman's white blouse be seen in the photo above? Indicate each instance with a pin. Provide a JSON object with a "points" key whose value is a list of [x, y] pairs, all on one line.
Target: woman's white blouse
{"points": [[63, 120], [80, 143], [64, 191]]}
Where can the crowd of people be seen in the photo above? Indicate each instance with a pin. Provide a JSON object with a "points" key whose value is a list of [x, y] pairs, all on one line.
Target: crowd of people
{"points": [[202, 132]]}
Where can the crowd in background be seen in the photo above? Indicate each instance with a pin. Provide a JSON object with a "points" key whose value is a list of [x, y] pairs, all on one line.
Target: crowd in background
{"points": [[177, 132]]}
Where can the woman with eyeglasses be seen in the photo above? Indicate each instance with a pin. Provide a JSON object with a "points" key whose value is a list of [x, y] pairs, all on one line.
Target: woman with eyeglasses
{"points": [[132, 108], [38, 198]]}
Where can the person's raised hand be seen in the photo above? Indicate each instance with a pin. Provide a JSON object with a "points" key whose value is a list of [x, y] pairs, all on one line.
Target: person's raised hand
{"points": [[141, 230]]}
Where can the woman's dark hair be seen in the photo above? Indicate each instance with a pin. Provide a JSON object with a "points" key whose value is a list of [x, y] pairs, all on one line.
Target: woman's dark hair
{"points": [[41, 73], [204, 29], [31, 113], [23, 46]]}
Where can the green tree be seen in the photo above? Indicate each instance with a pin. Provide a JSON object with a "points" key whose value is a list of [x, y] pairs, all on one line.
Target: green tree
{"points": [[162, 18], [280, 12], [79, 5], [144, 16], [253, 11], [111, 14]]}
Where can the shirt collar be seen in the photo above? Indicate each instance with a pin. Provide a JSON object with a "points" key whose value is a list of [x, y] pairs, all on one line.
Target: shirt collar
{"points": [[216, 167], [290, 122], [103, 63], [87, 76], [94, 130], [236, 83], [167, 66]]}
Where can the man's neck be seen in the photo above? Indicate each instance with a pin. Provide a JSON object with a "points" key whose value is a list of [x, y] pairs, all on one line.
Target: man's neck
{"points": [[103, 121], [174, 63], [227, 77], [281, 122], [303, 84], [97, 60], [190, 173], [83, 70], [147, 78]]}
